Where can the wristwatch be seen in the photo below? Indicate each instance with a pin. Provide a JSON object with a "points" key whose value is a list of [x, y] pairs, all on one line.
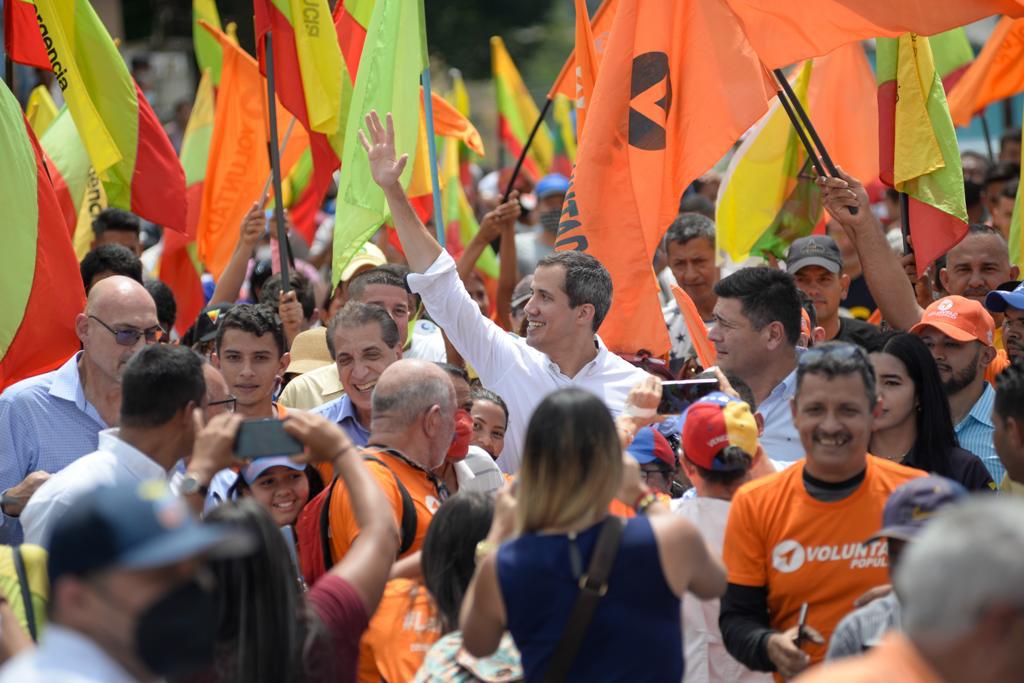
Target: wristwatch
{"points": [[191, 486]]}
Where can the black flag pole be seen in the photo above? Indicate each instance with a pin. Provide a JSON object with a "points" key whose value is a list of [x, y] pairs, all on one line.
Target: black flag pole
{"points": [[526, 148], [988, 136], [275, 167], [905, 222], [818, 148]]}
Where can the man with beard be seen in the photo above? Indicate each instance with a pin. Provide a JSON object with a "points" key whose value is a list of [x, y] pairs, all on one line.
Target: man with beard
{"points": [[796, 537], [959, 333]]}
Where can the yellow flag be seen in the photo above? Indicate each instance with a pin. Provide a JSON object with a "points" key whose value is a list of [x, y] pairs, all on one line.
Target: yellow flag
{"points": [[41, 110]]}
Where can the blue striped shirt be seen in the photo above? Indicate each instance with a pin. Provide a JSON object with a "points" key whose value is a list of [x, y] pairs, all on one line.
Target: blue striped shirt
{"points": [[975, 433], [45, 424]]}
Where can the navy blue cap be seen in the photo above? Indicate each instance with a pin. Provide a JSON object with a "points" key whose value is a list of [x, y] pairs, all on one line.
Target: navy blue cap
{"points": [[552, 183], [998, 300], [134, 526], [911, 505]]}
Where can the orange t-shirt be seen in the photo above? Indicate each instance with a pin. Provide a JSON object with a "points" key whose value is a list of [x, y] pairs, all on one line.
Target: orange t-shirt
{"points": [[425, 498], [401, 631], [806, 550]]}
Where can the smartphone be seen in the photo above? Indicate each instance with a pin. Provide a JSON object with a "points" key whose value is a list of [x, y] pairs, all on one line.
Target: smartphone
{"points": [[265, 438], [677, 395], [801, 623]]}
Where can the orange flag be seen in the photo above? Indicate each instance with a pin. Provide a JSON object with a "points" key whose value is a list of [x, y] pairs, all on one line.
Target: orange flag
{"points": [[706, 353], [996, 73], [600, 29], [787, 31], [586, 65], [659, 118], [238, 166]]}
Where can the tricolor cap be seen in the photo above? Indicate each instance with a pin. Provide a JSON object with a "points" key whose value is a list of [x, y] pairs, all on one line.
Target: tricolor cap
{"points": [[959, 318], [208, 320], [911, 505], [713, 423], [998, 300], [649, 445]]}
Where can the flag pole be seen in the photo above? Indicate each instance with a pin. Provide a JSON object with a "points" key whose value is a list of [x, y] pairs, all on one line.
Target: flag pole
{"points": [[905, 222], [428, 112], [526, 148], [275, 167], [9, 74], [988, 136], [794, 101]]}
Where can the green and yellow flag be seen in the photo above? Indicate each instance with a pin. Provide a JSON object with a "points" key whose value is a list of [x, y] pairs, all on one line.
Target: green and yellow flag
{"points": [[517, 113], [41, 110], [208, 53]]}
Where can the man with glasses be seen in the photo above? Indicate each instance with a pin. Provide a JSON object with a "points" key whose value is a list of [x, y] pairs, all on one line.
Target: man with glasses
{"points": [[795, 538], [49, 421]]}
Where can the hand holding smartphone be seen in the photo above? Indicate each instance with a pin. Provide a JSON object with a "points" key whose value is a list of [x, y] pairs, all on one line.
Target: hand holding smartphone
{"points": [[677, 395], [265, 438]]}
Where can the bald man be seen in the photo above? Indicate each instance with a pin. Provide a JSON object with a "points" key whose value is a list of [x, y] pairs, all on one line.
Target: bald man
{"points": [[49, 421]]}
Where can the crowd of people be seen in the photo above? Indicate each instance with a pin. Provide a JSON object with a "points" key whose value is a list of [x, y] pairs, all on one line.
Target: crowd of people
{"points": [[423, 474]]}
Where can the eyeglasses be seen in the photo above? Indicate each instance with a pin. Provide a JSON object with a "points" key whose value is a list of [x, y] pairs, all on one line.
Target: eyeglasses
{"points": [[130, 336], [229, 402]]}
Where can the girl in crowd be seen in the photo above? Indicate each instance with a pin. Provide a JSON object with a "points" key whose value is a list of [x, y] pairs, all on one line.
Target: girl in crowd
{"points": [[915, 428], [572, 468], [280, 485], [490, 420]]}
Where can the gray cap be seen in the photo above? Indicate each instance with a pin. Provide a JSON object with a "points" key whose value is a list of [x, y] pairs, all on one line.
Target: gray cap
{"points": [[814, 250]]}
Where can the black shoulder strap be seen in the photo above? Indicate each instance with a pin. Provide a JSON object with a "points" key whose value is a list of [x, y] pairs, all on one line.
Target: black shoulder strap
{"points": [[409, 520], [593, 586], [325, 527], [26, 591]]}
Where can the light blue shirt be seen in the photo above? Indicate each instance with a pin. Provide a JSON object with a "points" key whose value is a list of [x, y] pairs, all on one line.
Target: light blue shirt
{"points": [[341, 411], [780, 439], [45, 424], [975, 433], [64, 656]]}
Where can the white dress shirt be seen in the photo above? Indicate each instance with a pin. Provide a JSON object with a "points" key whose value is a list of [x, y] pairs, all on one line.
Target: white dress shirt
{"points": [[64, 656], [519, 373], [114, 462], [707, 660], [780, 439]]}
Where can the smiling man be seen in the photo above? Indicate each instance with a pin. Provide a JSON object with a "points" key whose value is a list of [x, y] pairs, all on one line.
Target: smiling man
{"points": [[796, 537], [251, 355], [364, 341], [571, 294]]}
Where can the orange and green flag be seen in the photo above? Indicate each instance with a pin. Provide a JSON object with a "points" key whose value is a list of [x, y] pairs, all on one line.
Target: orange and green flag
{"points": [[517, 114], [996, 74], [127, 144], [918, 152], [180, 268], [208, 55], [41, 273]]}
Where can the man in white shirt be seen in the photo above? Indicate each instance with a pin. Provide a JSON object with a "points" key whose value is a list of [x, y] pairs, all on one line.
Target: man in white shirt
{"points": [[719, 444], [160, 388], [572, 293]]}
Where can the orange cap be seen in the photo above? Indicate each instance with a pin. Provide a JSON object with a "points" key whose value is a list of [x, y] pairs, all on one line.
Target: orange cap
{"points": [[958, 318], [805, 322]]}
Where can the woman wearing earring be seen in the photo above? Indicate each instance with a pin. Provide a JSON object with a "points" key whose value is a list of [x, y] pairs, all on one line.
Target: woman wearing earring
{"points": [[915, 427]]}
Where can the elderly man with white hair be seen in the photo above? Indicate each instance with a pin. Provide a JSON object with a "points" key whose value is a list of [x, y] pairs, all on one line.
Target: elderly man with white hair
{"points": [[961, 587]]}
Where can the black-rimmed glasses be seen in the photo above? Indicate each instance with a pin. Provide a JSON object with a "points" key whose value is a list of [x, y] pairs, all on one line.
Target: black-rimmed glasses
{"points": [[130, 336], [229, 402]]}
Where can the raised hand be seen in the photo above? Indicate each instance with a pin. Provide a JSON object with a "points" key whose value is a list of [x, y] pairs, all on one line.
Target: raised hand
{"points": [[839, 194], [253, 226], [380, 150], [501, 218]]}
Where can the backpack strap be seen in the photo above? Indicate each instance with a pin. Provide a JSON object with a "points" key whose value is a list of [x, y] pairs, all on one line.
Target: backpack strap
{"points": [[26, 591], [409, 520], [325, 527]]}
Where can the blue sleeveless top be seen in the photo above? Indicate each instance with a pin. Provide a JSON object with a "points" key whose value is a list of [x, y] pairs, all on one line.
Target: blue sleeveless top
{"points": [[635, 634]]}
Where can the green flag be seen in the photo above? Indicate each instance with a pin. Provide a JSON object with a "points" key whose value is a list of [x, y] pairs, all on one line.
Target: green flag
{"points": [[388, 80]]}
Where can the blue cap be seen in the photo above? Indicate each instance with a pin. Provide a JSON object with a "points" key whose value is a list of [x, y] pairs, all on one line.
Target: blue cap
{"points": [[911, 505], [255, 469], [553, 183], [134, 526], [649, 445], [998, 300]]}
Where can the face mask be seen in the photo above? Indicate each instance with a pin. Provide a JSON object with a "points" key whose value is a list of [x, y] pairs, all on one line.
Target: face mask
{"points": [[176, 635], [550, 219], [463, 435]]}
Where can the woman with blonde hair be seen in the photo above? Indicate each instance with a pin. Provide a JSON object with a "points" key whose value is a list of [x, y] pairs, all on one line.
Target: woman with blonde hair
{"points": [[586, 596]]}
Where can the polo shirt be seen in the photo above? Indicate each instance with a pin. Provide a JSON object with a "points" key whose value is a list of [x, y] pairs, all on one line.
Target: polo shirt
{"points": [[46, 424], [974, 433]]}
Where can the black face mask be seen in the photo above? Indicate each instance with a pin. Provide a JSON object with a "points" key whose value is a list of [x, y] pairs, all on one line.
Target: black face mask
{"points": [[176, 635], [549, 220]]}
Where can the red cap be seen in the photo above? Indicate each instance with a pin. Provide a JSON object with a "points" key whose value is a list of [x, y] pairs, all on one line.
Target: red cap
{"points": [[715, 422]]}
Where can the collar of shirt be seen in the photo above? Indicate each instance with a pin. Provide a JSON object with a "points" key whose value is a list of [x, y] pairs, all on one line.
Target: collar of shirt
{"points": [[67, 385], [981, 411], [593, 367], [341, 411], [63, 649], [133, 460]]}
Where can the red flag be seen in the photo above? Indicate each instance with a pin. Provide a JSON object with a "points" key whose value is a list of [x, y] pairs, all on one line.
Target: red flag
{"points": [[22, 40]]}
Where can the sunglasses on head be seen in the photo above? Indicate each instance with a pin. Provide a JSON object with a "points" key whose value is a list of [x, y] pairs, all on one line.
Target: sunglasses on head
{"points": [[841, 351], [130, 336]]}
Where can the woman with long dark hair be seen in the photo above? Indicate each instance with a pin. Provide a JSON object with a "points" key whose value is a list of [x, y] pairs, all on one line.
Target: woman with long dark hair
{"points": [[915, 427]]}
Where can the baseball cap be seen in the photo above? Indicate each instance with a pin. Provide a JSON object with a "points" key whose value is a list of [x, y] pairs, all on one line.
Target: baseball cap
{"points": [[309, 351], [814, 250], [255, 469], [368, 256], [713, 423], [649, 445], [134, 526], [551, 184], [522, 293], [960, 318], [911, 505], [998, 300], [206, 323]]}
